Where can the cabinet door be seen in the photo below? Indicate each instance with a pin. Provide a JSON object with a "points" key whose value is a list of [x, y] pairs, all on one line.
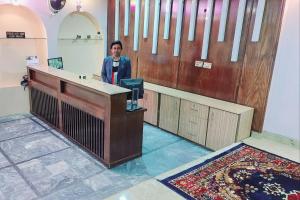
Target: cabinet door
{"points": [[193, 121], [169, 113], [150, 102], [222, 127]]}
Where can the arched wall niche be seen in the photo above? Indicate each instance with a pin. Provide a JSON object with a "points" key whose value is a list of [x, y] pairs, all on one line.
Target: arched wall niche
{"points": [[80, 45], [13, 52]]}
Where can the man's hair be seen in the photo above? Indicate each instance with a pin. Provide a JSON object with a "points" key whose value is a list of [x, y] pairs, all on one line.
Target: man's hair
{"points": [[116, 42]]}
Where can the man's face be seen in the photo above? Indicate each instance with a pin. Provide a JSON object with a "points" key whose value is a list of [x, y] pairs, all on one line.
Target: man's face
{"points": [[116, 50]]}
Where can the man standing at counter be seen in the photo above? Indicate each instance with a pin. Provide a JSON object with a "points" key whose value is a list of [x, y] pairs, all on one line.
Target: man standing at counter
{"points": [[115, 67]]}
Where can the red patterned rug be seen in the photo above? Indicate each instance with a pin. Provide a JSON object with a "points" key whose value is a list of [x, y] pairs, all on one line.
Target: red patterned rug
{"points": [[241, 173]]}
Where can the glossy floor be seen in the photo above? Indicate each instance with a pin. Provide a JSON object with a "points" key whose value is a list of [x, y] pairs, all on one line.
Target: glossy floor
{"points": [[36, 162], [154, 190]]}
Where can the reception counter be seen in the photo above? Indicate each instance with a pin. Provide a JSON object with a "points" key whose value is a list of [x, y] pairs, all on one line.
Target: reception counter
{"points": [[89, 112]]}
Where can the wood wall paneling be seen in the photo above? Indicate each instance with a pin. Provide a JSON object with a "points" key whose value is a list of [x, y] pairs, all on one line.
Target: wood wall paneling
{"points": [[259, 62], [110, 23], [246, 81], [161, 68], [222, 80]]}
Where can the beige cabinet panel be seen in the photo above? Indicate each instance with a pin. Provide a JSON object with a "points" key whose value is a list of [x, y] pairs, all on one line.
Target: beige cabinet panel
{"points": [[222, 128], [150, 102], [169, 113], [193, 121]]}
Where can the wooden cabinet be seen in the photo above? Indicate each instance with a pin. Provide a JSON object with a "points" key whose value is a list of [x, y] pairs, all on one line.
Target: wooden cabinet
{"points": [[206, 121], [222, 129], [169, 113], [150, 102], [193, 121]]}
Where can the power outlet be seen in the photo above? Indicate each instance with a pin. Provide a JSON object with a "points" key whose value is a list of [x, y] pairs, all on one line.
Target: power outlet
{"points": [[207, 65], [198, 63]]}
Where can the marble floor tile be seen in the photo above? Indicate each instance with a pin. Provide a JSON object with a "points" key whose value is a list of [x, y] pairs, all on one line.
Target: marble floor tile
{"points": [[74, 192], [41, 122], [3, 161], [62, 137], [13, 186], [168, 157], [184, 151], [17, 128], [58, 170], [106, 184], [32, 146], [155, 138], [148, 190], [8, 118]]}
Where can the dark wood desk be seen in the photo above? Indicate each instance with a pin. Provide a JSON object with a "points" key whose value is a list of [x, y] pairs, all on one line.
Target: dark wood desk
{"points": [[89, 112]]}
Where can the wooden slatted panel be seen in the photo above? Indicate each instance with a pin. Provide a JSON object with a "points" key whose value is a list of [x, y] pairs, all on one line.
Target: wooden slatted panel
{"points": [[45, 106], [84, 128]]}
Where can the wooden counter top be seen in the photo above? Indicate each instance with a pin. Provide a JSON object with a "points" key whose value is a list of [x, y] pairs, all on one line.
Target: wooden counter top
{"points": [[215, 103], [88, 83]]}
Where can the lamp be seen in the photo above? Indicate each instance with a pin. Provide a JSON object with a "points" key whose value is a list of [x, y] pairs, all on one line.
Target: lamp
{"points": [[238, 31], [117, 12], [193, 19], [207, 27], [136, 25], [146, 18], [178, 28], [223, 20], [126, 21], [167, 19], [155, 26], [258, 20]]}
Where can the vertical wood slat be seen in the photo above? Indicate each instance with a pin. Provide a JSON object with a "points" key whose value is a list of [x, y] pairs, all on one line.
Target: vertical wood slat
{"points": [[45, 106], [84, 128]]}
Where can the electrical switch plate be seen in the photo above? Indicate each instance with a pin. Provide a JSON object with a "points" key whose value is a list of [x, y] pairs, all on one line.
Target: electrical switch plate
{"points": [[198, 63], [207, 65]]}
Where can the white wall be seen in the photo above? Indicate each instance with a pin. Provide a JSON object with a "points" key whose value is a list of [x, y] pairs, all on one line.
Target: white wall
{"points": [[98, 8], [81, 56], [282, 114], [12, 57]]}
